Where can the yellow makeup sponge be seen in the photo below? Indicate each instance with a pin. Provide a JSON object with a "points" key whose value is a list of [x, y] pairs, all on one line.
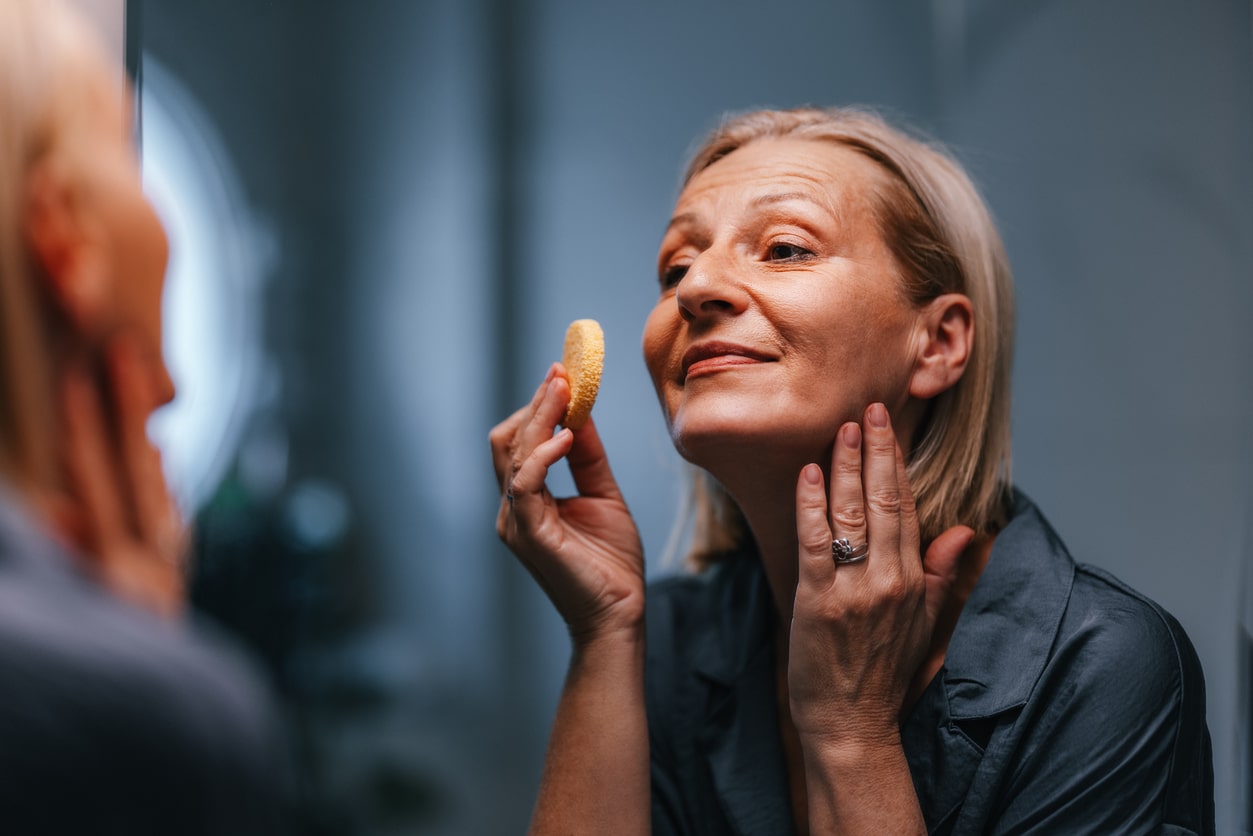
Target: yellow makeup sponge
{"points": [[584, 359]]}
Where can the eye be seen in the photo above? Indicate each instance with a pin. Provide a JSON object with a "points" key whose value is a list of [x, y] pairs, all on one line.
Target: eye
{"points": [[672, 275], [786, 252]]}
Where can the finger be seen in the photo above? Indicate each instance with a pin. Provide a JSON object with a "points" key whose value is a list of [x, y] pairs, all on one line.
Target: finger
{"points": [[883, 497], [531, 498], [911, 566], [941, 564], [505, 457], [539, 427], [502, 435], [814, 535], [848, 504], [501, 440], [589, 466], [133, 401], [68, 521], [89, 462]]}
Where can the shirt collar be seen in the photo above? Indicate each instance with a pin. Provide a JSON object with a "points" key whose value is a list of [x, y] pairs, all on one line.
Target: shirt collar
{"points": [[1002, 640], [998, 649]]}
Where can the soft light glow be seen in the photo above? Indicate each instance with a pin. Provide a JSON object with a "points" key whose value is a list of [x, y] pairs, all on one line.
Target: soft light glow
{"points": [[212, 302]]}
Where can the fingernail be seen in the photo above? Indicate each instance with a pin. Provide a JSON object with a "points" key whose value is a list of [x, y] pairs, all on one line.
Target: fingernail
{"points": [[851, 436], [552, 387], [877, 415], [552, 370], [812, 474]]}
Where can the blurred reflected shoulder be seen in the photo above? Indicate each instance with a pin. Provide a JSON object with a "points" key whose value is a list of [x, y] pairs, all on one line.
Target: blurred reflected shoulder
{"points": [[116, 722], [117, 715]]}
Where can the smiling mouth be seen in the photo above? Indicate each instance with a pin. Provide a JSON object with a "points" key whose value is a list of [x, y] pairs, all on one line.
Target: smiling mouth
{"points": [[719, 363], [710, 359]]}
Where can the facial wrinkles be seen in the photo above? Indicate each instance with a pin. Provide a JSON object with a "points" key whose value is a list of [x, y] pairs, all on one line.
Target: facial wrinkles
{"points": [[734, 205]]}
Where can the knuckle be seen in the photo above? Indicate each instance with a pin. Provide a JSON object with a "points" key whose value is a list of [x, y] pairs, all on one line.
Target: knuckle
{"points": [[816, 542], [882, 443], [848, 467], [515, 466], [885, 501], [848, 517], [898, 590], [812, 504]]}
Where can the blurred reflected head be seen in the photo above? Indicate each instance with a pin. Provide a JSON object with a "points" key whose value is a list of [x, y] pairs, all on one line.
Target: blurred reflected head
{"points": [[943, 240], [82, 253]]}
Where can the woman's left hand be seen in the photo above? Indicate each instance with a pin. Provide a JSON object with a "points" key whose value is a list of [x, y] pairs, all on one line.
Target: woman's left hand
{"points": [[119, 515], [861, 631]]}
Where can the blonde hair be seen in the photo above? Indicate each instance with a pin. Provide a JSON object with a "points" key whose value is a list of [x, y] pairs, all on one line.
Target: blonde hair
{"points": [[45, 52], [940, 232]]}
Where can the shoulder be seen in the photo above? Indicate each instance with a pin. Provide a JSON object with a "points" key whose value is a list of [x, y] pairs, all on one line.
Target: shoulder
{"points": [[84, 667], [1119, 702], [1127, 640]]}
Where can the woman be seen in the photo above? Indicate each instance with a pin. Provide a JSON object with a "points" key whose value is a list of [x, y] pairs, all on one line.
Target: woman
{"points": [[884, 637], [116, 717]]}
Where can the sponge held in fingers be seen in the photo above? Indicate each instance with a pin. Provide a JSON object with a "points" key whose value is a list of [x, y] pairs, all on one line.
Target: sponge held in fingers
{"points": [[584, 359]]}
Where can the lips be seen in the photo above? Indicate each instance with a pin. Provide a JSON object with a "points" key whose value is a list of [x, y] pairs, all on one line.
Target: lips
{"points": [[715, 356]]}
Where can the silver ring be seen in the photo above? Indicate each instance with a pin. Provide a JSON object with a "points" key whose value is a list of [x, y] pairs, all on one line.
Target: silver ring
{"points": [[844, 552]]}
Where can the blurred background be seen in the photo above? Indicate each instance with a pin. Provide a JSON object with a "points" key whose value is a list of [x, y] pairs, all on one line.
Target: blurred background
{"points": [[385, 212]]}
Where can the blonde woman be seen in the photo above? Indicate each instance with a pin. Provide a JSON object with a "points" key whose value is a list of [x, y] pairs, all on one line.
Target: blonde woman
{"points": [[115, 715], [882, 635]]}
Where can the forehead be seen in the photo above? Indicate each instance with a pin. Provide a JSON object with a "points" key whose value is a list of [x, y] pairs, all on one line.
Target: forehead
{"points": [[823, 171]]}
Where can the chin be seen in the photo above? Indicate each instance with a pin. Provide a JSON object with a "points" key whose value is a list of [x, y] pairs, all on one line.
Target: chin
{"points": [[706, 439]]}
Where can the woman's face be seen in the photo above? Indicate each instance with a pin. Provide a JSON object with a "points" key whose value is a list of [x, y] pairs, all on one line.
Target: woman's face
{"points": [[133, 245], [780, 313]]}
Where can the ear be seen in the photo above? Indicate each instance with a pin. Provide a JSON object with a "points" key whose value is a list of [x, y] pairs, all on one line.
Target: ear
{"points": [[946, 336], [67, 246]]}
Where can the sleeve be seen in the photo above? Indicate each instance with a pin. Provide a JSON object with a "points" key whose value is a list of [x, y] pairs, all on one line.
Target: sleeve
{"points": [[1115, 740]]}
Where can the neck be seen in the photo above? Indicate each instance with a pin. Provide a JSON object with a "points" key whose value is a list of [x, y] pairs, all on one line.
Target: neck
{"points": [[765, 492]]}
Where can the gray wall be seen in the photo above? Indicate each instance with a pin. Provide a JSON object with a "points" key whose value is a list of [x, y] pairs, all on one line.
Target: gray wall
{"points": [[450, 183]]}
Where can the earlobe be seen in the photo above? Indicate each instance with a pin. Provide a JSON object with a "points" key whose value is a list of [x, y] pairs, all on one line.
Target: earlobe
{"points": [[68, 258], [947, 329]]}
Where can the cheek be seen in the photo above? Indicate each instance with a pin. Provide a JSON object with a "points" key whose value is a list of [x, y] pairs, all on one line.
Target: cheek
{"points": [[660, 332], [857, 345], [152, 250]]}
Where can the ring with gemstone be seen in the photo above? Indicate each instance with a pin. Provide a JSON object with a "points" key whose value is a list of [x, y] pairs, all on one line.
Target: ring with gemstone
{"points": [[845, 552]]}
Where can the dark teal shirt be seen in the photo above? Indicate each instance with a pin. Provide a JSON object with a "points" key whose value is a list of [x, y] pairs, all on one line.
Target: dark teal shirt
{"points": [[1067, 703]]}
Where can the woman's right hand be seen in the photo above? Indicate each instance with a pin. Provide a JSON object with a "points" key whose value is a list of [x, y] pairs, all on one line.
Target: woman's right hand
{"points": [[118, 513], [583, 550]]}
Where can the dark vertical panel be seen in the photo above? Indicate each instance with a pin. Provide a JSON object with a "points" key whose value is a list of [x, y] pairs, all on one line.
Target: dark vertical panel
{"points": [[522, 716]]}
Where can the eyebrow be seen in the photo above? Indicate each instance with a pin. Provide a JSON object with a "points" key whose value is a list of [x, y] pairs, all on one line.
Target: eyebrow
{"points": [[685, 218], [681, 220]]}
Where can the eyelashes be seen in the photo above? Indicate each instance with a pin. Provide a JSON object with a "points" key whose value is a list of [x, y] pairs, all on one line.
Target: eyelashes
{"points": [[785, 251], [672, 275], [781, 251]]}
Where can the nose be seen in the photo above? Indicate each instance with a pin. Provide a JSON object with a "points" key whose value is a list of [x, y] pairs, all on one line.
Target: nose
{"points": [[711, 287]]}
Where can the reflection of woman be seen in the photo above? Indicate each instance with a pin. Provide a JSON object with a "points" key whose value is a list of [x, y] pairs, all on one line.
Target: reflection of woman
{"points": [[113, 719], [831, 347]]}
